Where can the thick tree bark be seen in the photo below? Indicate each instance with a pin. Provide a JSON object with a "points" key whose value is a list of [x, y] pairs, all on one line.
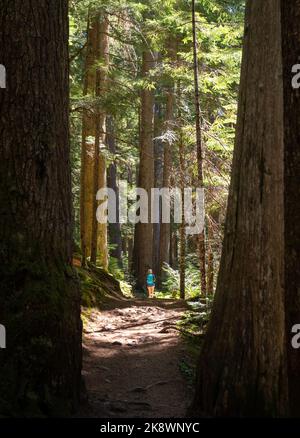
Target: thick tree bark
{"points": [[201, 241], [291, 55], [242, 369], [40, 371], [143, 238]]}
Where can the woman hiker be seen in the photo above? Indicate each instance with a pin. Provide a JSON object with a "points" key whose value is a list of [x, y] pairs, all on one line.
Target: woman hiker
{"points": [[150, 283]]}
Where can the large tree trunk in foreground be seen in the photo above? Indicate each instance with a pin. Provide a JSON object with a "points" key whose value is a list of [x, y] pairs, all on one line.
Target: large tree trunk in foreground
{"points": [[40, 370], [143, 237], [291, 56], [242, 364]]}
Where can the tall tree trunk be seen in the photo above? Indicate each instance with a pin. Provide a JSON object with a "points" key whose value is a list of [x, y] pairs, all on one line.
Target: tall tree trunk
{"points": [[143, 239], [210, 261], [158, 181], [99, 252], [182, 256], [98, 125], [201, 243], [114, 230], [174, 249], [87, 148], [242, 364], [129, 254], [83, 237], [40, 371], [171, 248], [165, 237], [290, 50], [182, 185]]}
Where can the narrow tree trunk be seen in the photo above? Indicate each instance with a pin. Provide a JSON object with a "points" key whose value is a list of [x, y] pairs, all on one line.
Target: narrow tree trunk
{"points": [[102, 252], [97, 123], [182, 257], [158, 182], [40, 370], [143, 241], [210, 261], [291, 53], [202, 249], [174, 249], [182, 185], [164, 249], [129, 254], [83, 237], [87, 148], [99, 250], [115, 237], [242, 365], [171, 248]]}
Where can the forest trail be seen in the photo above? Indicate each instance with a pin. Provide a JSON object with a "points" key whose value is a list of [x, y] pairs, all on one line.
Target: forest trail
{"points": [[133, 357]]}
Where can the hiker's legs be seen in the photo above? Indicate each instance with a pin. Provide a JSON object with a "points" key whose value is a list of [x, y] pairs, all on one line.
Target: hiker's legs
{"points": [[151, 291]]}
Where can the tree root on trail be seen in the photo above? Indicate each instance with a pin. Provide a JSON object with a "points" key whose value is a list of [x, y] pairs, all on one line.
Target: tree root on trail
{"points": [[132, 325], [152, 385], [184, 332]]}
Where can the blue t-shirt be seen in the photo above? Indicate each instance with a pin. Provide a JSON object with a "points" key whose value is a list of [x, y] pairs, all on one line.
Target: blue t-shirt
{"points": [[150, 280]]}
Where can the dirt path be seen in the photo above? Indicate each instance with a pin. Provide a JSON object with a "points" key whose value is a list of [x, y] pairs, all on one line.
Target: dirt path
{"points": [[132, 360]]}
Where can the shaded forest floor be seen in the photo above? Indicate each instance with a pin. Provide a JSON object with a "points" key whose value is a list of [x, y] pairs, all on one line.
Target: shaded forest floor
{"points": [[136, 363]]}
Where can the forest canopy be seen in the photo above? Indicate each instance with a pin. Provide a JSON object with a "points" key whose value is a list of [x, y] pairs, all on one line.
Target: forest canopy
{"points": [[164, 30]]}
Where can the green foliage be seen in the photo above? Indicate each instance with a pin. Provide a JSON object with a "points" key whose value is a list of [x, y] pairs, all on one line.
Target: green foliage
{"points": [[126, 289], [188, 370], [114, 268], [171, 285]]}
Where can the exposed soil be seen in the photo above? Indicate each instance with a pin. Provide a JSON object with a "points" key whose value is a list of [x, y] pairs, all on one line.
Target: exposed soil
{"points": [[133, 360]]}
